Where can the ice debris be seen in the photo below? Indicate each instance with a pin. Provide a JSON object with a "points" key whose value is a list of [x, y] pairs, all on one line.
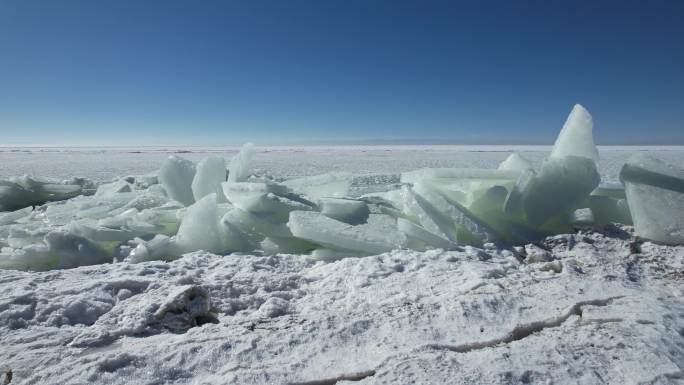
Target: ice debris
{"points": [[210, 207], [20, 192]]}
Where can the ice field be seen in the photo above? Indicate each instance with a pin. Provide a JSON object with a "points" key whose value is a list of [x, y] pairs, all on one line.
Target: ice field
{"points": [[341, 265]]}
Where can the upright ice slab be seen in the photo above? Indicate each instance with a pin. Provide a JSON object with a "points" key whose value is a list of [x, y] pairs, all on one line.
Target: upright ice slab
{"points": [[567, 177], [576, 137], [655, 195], [211, 172], [202, 229], [560, 186], [176, 176], [239, 165]]}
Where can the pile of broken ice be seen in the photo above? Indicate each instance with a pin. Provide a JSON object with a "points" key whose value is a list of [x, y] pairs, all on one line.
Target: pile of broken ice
{"points": [[222, 208]]}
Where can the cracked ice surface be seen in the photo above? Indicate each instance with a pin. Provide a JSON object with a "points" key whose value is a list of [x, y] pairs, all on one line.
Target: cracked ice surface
{"points": [[597, 308]]}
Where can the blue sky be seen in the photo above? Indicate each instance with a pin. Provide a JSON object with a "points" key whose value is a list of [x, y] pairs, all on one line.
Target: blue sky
{"points": [[136, 72]]}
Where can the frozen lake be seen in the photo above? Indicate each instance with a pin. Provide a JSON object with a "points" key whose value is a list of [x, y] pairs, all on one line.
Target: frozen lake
{"points": [[375, 167]]}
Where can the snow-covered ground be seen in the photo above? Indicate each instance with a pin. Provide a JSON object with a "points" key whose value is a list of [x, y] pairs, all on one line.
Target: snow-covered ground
{"points": [[583, 308], [594, 309]]}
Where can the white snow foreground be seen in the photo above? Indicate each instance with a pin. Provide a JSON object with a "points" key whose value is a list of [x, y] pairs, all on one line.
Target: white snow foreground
{"points": [[191, 207], [584, 308]]}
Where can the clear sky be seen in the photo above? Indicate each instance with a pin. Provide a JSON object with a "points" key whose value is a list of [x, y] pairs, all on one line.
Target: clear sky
{"points": [[137, 72]]}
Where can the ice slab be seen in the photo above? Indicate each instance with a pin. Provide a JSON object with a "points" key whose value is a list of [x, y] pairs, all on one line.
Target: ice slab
{"points": [[176, 176], [377, 236], [515, 162], [560, 186], [33, 257], [256, 226], [576, 137], [333, 185], [118, 186], [13, 216], [17, 193], [72, 250], [456, 221], [350, 211], [613, 190], [655, 195], [201, 229], [239, 164], [458, 174], [421, 239], [609, 210], [265, 198], [211, 172], [159, 247]]}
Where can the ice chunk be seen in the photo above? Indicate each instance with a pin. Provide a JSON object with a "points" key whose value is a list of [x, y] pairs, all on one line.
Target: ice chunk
{"points": [[92, 231], [73, 250], [655, 195], [256, 226], [454, 219], [607, 210], [438, 174], [290, 245], [264, 198], [25, 191], [515, 162], [426, 239], [166, 219], [211, 172], [146, 181], [239, 165], [333, 185], [33, 257], [146, 200], [201, 229], [13, 216], [349, 211], [24, 235], [377, 236], [561, 185], [176, 176], [159, 247], [13, 196], [119, 186], [576, 137], [583, 217], [422, 212], [614, 190]]}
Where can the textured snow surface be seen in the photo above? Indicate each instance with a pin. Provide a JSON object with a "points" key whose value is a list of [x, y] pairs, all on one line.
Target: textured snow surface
{"points": [[585, 308]]}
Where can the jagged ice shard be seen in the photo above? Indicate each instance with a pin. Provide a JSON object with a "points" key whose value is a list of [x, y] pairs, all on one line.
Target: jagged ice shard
{"points": [[576, 138], [211, 172], [176, 176], [190, 207]]}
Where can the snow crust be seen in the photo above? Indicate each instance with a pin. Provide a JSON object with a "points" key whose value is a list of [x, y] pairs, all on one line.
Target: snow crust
{"points": [[580, 308]]}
